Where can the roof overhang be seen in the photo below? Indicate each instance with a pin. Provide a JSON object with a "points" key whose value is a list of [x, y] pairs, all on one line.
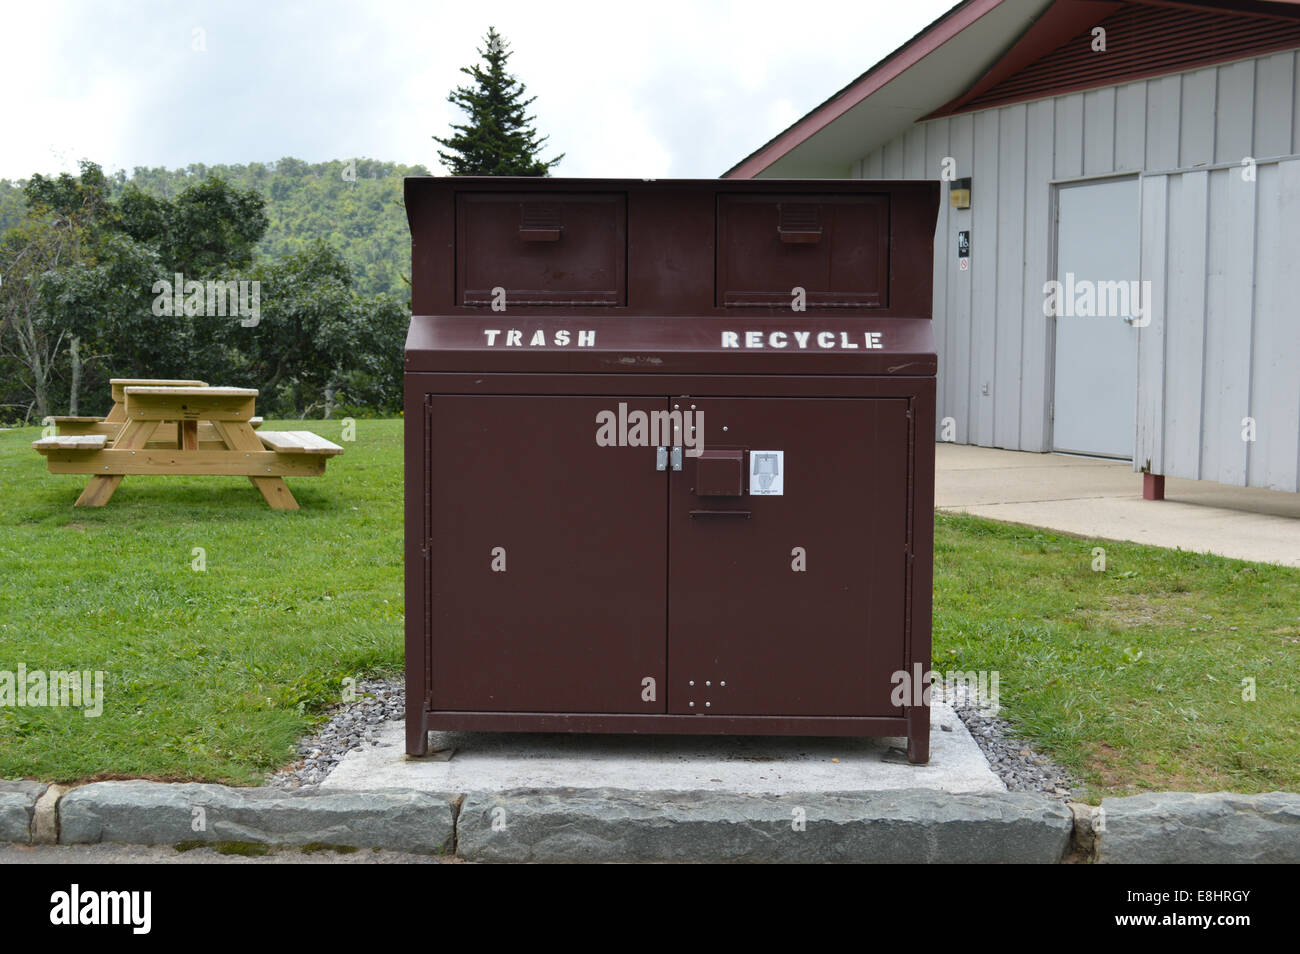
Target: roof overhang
{"points": [[934, 67], [970, 49]]}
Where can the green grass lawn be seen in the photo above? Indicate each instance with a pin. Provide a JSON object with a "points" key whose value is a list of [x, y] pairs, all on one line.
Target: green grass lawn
{"points": [[209, 675], [1132, 677]]}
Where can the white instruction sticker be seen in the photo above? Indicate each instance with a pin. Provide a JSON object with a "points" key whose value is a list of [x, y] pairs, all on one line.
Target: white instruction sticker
{"points": [[766, 473]]}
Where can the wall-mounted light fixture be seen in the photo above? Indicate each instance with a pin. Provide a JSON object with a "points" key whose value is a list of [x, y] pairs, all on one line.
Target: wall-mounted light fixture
{"points": [[959, 193]]}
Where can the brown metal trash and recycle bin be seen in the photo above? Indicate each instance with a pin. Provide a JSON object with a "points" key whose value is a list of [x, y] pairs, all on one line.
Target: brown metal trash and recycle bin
{"points": [[670, 457]]}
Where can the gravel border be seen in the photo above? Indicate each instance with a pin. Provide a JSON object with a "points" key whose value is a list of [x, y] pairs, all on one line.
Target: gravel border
{"points": [[352, 725], [355, 724], [1011, 758]]}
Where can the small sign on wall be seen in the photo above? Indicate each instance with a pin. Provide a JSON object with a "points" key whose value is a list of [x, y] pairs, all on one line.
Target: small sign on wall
{"points": [[963, 249]]}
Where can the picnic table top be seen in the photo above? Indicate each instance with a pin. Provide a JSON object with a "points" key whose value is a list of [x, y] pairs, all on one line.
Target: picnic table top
{"points": [[160, 382], [185, 391]]}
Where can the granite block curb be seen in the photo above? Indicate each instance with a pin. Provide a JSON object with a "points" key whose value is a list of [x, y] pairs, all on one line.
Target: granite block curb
{"points": [[907, 826], [17, 808], [620, 825], [1188, 828], [153, 813]]}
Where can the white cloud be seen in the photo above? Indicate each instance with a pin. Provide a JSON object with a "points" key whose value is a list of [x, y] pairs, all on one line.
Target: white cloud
{"points": [[679, 88]]}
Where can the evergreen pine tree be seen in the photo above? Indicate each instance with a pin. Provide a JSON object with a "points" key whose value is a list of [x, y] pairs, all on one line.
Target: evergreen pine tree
{"points": [[498, 138]]}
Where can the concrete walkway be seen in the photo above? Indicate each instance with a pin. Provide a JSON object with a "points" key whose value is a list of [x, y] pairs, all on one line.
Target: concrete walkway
{"points": [[1100, 498]]}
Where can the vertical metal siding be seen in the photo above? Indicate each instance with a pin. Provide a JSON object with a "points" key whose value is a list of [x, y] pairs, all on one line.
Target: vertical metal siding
{"points": [[1219, 244], [1099, 131], [1295, 103], [936, 149], [1163, 96], [1229, 313], [1036, 374], [1069, 136], [1009, 315], [1149, 448], [1232, 134], [1130, 126], [1223, 334], [958, 314], [984, 278], [1185, 322], [914, 154], [1196, 120], [1272, 133], [1274, 457]]}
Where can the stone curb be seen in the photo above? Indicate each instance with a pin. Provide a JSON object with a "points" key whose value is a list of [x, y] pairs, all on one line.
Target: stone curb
{"points": [[151, 813], [592, 825], [1187, 828], [17, 807], [907, 826]]}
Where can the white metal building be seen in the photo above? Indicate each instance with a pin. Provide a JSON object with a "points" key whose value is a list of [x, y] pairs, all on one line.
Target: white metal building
{"points": [[1163, 150]]}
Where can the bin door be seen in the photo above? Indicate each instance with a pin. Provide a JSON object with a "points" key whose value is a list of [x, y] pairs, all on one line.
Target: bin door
{"points": [[547, 555], [788, 597], [563, 249], [835, 247]]}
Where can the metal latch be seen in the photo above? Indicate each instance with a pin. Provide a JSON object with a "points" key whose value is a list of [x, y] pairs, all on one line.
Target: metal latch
{"points": [[661, 458], [677, 458]]}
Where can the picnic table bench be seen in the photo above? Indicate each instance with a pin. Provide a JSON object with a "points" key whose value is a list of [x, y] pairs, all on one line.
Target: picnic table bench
{"points": [[182, 427]]}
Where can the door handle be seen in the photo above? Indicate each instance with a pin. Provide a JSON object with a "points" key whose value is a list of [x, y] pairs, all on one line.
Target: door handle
{"points": [[800, 236], [540, 234]]}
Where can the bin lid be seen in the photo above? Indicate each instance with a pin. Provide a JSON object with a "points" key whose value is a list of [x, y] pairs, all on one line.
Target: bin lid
{"points": [[671, 276], [585, 343]]}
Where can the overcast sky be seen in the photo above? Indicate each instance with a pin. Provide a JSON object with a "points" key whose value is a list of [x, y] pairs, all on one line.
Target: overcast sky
{"points": [[657, 90]]}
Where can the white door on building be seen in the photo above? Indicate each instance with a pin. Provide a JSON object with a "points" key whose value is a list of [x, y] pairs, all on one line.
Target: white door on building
{"points": [[1097, 261]]}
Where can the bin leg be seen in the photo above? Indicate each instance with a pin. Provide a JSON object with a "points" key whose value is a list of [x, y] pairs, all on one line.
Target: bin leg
{"points": [[417, 734], [918, 735]]}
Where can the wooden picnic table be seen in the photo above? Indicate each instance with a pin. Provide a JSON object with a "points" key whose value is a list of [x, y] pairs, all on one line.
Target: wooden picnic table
{"points": [[182, 427], [164, 436]]}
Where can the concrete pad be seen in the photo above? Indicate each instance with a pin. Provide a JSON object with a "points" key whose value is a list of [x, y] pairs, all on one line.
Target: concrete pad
{"points": [[499, 761], [1100, 498]]}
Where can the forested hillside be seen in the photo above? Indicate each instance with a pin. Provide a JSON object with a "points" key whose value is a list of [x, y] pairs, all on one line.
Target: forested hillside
{"points": [[293, 281], [355, 206]]}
